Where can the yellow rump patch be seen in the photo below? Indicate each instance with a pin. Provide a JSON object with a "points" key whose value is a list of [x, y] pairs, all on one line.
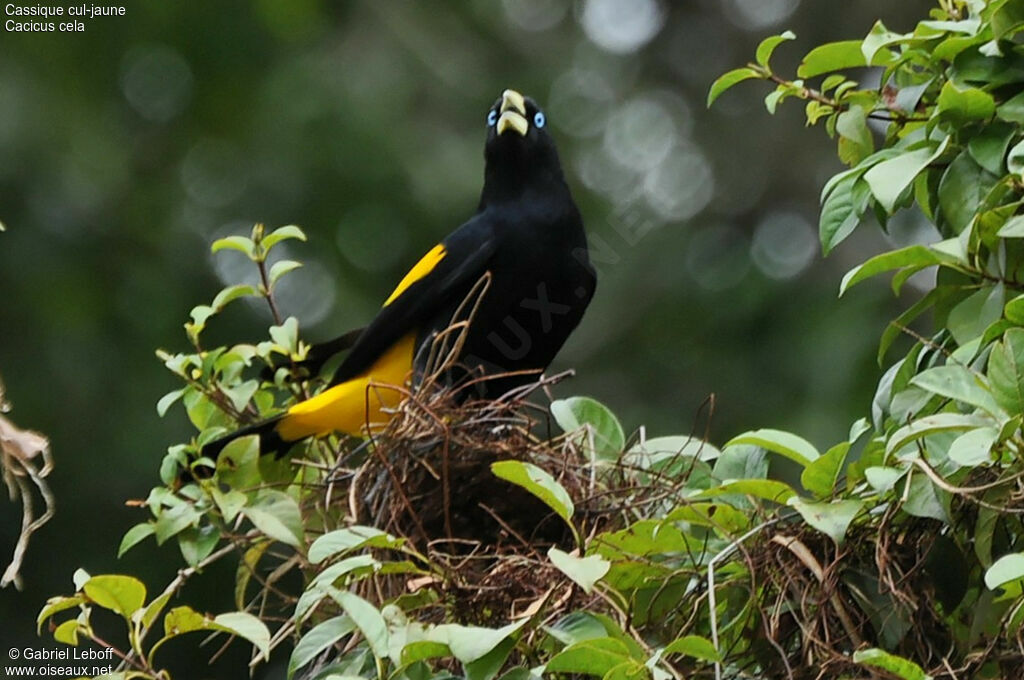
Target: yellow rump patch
{"points": [[356, 404], [419, 270]]}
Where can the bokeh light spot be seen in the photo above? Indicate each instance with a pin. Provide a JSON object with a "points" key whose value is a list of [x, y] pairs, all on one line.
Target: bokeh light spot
{"points": [[681, 185], [783, 246], [535, 15], [214, 173], [579, 102], [640, 133], [717, 257], [756, 15], [157, 82], [622, 26]]}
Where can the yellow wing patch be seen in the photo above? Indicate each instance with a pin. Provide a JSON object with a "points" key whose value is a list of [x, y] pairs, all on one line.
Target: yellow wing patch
{"points": [[419, 270]]}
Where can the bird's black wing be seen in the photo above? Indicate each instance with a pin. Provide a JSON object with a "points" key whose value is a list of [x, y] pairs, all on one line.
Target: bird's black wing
{"points": [[466, 254]]}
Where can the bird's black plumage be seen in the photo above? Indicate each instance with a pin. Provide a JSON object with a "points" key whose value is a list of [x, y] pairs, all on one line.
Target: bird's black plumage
{"points": [[527, 234]]}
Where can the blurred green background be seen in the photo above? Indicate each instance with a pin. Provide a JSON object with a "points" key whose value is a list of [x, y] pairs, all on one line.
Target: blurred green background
{"points": [[126, 149]]}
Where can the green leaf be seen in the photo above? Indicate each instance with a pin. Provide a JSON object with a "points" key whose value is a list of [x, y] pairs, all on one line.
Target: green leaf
{"points": [[957, 382], [472, 643], [821, 475], [786, 444], [365, 616], [280, 234], [1012, 228], [168, 400], [988, 147], [972, 315], [241, 393], [277, 515], [1012, 110], [600, 423], [1015, 158], [933, 424], [487, 666], [1007, 568], [897, 665], [67, 632], [134, 535], [922, 499], [963, 187], [973, 447], [230, 294], [281, 268], [539, 483], [656, 450], [836, 56], [247, 567], [842, 210], [174, 520], [1014, 310], [695, 646], [584, 571], [55, 605], [832, 519], [720, 516], [154, 608], [318, 639], [911, 256], [881, 478], [80, 577], [768, 45], [247, 626], [423, 649], [200, 314], [890, 178], [182, 620], [238, 463], [767, 489], [879, 38], [577, 626], [230, 503], [197, 544], [350, 538], [963, 105], [1006, 371], [771, 101], [628, 670], [590, 657], [855, 140], [240, 243], [286, 335], [727, 80], [121, 594]]}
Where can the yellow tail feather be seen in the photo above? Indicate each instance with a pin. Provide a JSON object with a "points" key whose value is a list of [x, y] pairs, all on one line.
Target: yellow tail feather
{"points": [[355, 404]]}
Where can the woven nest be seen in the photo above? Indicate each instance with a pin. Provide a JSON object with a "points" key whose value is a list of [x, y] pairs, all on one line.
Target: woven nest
{"points": [[427, 478]]}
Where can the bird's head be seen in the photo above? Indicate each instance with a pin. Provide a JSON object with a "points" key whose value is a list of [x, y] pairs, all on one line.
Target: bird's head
{"points": [[519, 152]]}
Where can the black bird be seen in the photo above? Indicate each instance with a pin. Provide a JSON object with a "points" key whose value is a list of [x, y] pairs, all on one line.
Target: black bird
{"points": [[528, 236]]}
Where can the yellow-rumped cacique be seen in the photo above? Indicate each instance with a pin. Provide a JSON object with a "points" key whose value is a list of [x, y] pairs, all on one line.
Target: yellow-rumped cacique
{"points": [[526, 234]]}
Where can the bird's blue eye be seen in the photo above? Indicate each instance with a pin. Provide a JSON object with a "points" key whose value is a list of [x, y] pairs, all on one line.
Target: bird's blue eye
{"points": [[539, 120], [492, 118]]}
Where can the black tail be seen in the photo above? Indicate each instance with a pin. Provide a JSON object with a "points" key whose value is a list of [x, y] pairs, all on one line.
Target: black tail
{"points": [[319, 354], [270, 440]]}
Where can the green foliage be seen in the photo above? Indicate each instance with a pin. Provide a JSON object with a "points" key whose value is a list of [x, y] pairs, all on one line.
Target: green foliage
{"points": [[125, 596], [938, 136]]}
